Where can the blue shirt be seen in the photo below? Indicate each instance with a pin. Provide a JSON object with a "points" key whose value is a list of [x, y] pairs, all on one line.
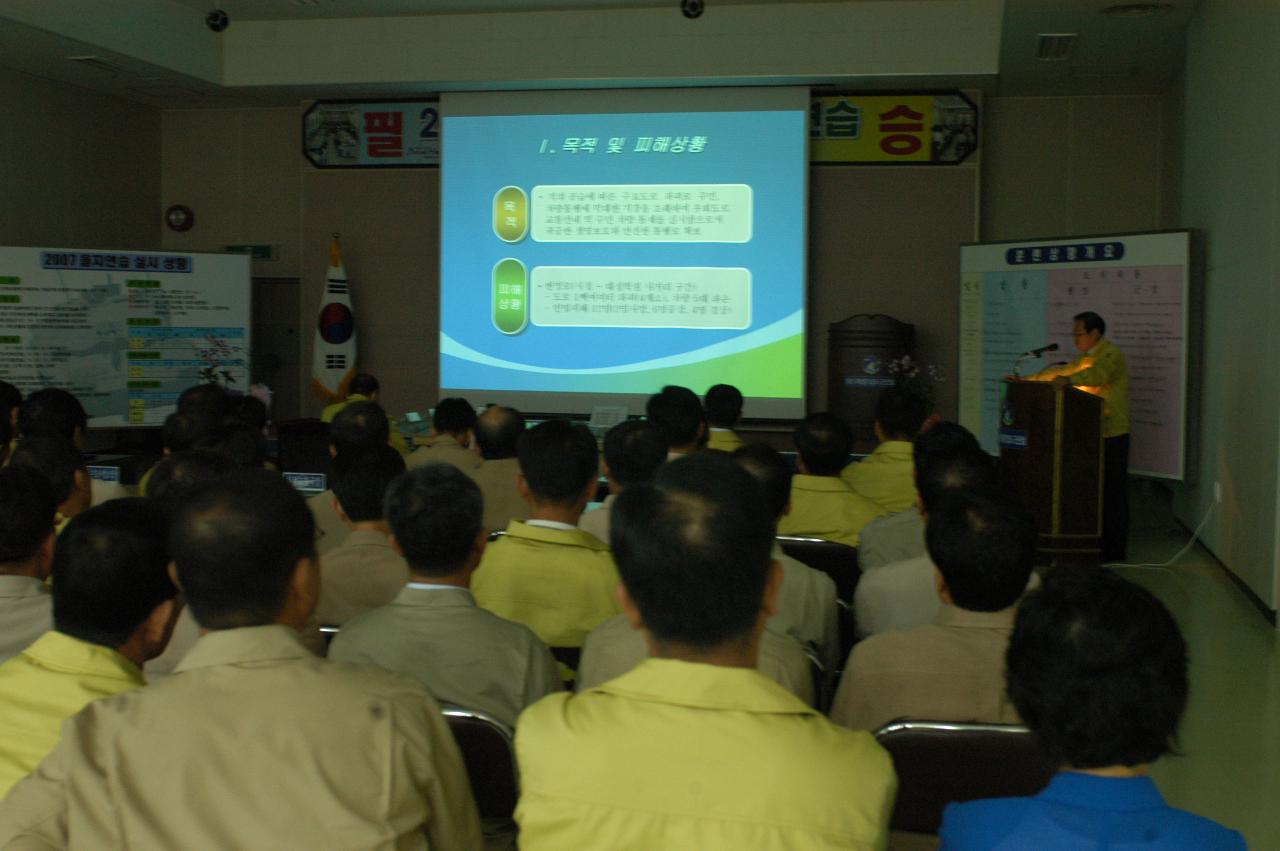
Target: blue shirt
{"points": [[1082, 811]]}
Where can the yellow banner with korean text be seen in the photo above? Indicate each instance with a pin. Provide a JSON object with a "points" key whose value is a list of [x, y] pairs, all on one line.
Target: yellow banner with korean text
{"points": [[912, 128]]}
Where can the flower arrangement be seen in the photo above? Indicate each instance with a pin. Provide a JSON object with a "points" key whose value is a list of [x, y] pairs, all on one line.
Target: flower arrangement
{"points": [[218, 355], [914, 377]]}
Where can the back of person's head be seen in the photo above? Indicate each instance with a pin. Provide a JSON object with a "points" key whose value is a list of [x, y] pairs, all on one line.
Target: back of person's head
{"points": [[236, 543], [634, 450], [724, 405], [360, 425], [247, 447], [942, 440], [435, 513], [497, 431], [900, 413], [27, 507], [557, 460], [10, 399], [209, 407], [824, 442], [453, 415], [53, 457], [179, 432], [110, 569], [984, 547], [693, 550], [771, 470], [677, 413], [181, 474], [1091, 322], [364, 384], [966, 473], [247, 412], [360, 480], [52, 411], [1097, 668]]}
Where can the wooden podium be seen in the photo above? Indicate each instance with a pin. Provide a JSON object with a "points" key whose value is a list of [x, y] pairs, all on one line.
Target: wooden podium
{"points": [[1051, 457]]}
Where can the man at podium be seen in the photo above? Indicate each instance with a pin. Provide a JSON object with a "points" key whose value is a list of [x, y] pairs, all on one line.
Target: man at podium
{"points": [[1101, 370]]}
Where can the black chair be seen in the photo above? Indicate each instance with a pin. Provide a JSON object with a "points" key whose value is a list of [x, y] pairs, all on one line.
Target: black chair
{"points": [[303, 446], [838, 561], [489, 756], [939, 762]]}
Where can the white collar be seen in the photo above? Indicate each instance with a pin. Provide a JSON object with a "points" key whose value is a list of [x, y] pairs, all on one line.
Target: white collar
{"points": [[432, 586], [551, 524]]}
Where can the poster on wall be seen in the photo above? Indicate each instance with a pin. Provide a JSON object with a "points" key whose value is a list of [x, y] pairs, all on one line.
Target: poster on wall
{"points": [[372, 134], [901, 129], [1019, 296], [124, 331]]}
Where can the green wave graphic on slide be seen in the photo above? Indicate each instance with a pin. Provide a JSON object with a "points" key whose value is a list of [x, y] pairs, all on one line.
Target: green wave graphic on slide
{"points": [[773, 370]]}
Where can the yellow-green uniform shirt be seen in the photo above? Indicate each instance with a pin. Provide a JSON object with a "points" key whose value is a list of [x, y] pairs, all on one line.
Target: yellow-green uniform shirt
{"points": [[558, 582], [681, 755], [1103, 371], [885, 476], [825, 507], [724, 439], [48, 682], [396, 440]]}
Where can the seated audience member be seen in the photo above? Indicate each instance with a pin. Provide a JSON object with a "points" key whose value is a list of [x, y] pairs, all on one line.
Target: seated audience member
{"points": [[822, 505], [358, 427], [546, 573], [27, 508], [1098, 670], [678, 416], [256, 743], [62, 465], [10, 404], [807, 608], [113, 609], [723, 404], [201, 421], [900, 536], [452, 428], [246, 440], [951, 669], [364, 571], [364, 387], [6, 442], [884, 476], [633, 452], [53, 412], [903, 594], [694, 748], [433, 629], [498, 430]]}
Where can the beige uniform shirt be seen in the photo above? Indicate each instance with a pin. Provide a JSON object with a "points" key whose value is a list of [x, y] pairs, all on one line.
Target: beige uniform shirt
{"points": [[331, 531], [807, 609], [901, 595], [359, 576], [613, 648], [596, 521], [254, 743], [463, 654], [949, 670], [896, 537], [26, 613], [502, 503], [444, 448]]}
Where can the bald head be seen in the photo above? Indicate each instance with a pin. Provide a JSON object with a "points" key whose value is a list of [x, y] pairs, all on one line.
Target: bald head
{"points": [[497, 431]]}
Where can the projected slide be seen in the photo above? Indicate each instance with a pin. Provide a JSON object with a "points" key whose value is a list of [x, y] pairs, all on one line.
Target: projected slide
{"points": [[611, 254]]}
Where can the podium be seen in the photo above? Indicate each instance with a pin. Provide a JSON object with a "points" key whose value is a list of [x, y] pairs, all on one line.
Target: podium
{"points": [[1051, 455]]}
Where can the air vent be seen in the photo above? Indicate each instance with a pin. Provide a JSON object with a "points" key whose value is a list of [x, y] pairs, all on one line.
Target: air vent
{"points": [[97, 63], [1055, 47]]}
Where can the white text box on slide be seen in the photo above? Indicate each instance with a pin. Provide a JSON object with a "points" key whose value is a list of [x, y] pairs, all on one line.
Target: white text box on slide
{"points": [[641, 297], [646, 212]]}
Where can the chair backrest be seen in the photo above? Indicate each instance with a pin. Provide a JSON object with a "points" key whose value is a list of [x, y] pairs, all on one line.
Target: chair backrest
{"points": [[328, 632], [939, 762], [839, 561], [488, 753]]}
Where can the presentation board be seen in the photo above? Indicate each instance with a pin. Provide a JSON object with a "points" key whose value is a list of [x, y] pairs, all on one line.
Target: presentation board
{"points": [[125, 331], [1019, 296], [596, 246]]}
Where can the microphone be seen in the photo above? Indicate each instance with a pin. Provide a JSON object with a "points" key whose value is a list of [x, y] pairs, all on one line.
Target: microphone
{"points": [[1035, 353]]}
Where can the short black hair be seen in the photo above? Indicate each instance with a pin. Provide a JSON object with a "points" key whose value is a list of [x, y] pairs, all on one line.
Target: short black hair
{"points": [[453, 415], [360, 425], [984, 547], [497, 431], [245, 411], [181, 474], [693, 550], [771, 470], [436, 513], [724, 405], [900, 413], [634, 450], [236, 543], [558, 459], [942, 440], [179, 432], [110, 570], [361, 477], [27, 507], [363, 384], [51, 411], [209, 407], [971, 472], [824, 442], [10, 398], [1097, 668], [677, 413], [1091, 321], [247, 447], [53, 457]]}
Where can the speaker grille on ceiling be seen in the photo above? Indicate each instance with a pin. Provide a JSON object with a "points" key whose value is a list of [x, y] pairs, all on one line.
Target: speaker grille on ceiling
{"points": [[1055, 47]]}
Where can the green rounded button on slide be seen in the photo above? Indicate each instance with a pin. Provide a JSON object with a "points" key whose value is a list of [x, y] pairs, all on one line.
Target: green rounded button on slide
{"points": [[510, 296], [511, 214]]}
